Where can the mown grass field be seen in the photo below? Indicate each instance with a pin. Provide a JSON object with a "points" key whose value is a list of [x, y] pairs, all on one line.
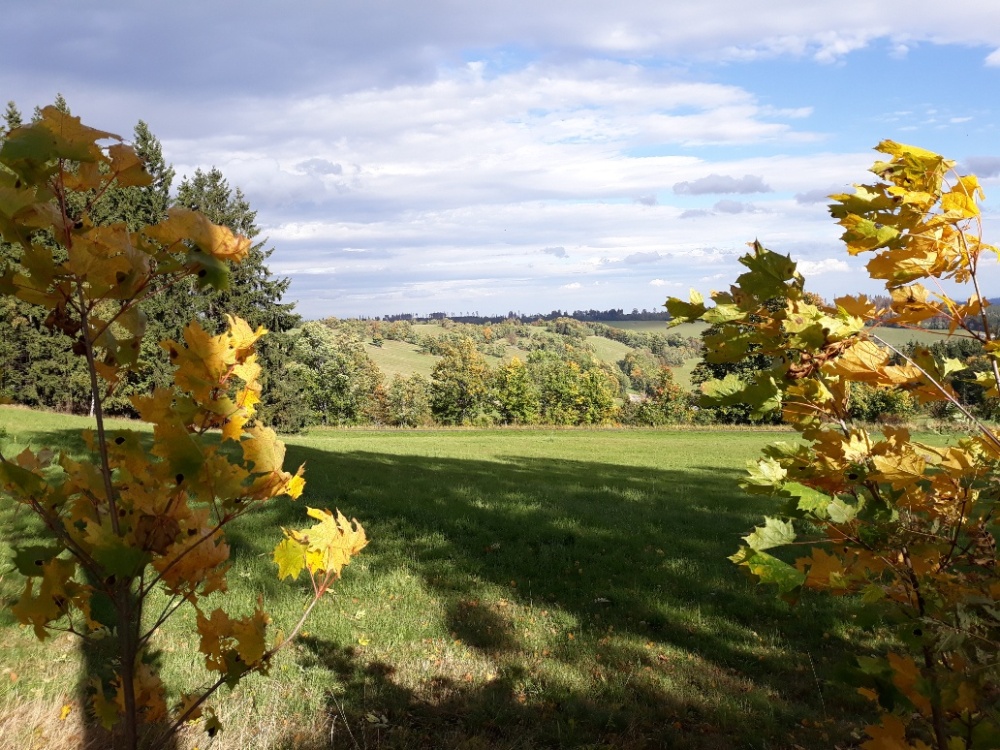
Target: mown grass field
{"points": [[401, 358], [522, 589]]}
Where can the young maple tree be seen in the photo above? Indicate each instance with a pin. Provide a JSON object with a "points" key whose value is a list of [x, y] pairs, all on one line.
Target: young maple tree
{"points": [[910, 527], [137, 518]]}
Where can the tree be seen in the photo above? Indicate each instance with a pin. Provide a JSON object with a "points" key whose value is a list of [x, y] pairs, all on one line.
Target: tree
{"points": [[909, 526], [12, 117], [340, 382], [459, 385], [408, 402], [35, 367], [514, 394], [665, 403], [132, 519], [254, 294]]}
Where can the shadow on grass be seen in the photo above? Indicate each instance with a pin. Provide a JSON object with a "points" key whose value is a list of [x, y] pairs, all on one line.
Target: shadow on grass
{"points": [[636, 552], [98, 658]]}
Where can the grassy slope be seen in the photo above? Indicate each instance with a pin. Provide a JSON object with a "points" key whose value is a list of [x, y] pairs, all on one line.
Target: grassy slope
{"points": [[401, 358], [608, 350], [522, 589]]}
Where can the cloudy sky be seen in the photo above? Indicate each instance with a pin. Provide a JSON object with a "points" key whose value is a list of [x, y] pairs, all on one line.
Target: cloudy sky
{"points": [[493, 156]]}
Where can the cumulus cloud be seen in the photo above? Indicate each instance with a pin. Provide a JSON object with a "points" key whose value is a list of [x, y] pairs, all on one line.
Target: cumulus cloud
{"points": [[993, 59], [818, 267], [432, 152], [320, 167], [984, 166], [716, 183], [733, 207], [559, 252], [819, 195]]}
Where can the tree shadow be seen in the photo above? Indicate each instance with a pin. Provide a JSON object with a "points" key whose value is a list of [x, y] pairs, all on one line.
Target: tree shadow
{"points": [[557, 523], [618, 549], [98, 659]]}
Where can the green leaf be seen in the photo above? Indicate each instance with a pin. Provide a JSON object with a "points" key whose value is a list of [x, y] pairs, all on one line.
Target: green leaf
{"points": [[764, 475], [774, 533], [769, 569], [29, 560], [807, 501], [724, 391], [723, 314], [769, 273], [841, 512], [681, 311]]}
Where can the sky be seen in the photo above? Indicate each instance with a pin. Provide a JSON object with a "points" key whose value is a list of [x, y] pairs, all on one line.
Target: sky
{"points": [[486, 157]]}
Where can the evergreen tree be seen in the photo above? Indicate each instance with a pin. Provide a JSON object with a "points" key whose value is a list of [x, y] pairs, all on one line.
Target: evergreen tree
{"points": [[35, 367], [32, 373], [12, 117], [253, 294]]}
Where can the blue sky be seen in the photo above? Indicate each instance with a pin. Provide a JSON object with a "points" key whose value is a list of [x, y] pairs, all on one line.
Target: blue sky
{"points": [[496, 156]]}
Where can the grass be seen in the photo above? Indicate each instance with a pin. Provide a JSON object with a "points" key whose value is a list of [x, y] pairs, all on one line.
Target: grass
{"points": [[900, 337], [693, 330], [523, 589], [607, 350], [401, 358]]}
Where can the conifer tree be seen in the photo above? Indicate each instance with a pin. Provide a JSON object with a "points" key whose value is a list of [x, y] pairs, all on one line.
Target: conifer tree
{"points": [[254, 294]]}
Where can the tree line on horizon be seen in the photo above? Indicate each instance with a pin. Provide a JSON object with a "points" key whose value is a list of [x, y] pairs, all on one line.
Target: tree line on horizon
{"points": [[318, 372]]}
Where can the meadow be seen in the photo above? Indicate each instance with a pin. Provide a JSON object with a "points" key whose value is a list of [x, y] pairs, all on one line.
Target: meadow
{"points": [[405, 359], [522, 589]]}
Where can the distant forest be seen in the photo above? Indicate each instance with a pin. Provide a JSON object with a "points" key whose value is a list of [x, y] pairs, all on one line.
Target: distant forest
{"points": [[595, 316]]}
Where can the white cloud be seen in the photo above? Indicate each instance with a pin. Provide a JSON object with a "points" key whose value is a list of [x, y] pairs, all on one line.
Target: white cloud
{"points": [[983, 166], [441, 151], [715, 183], [818, 267]]}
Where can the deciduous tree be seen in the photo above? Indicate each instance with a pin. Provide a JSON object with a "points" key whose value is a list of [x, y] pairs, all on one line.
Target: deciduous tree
{"points": [[909, 526]]}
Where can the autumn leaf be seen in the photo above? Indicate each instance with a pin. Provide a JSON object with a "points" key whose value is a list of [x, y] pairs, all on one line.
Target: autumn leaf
{"points": [[290, 557]]}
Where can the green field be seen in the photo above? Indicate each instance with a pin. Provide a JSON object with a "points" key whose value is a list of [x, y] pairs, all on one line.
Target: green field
{"points": [[522, 589], [608, 350], [401, 358], [900, 337]]}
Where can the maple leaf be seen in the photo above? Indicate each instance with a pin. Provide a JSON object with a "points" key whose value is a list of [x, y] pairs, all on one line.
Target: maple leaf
{"points": [[249, 633], [890, 735], [290, 557], [263, 449], [823, 571], [774, 533], [326, 546]]}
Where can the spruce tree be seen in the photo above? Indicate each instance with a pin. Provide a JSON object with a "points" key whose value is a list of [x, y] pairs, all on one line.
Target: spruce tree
{"points": [[35, 368], [254, 294], [12, 117]]}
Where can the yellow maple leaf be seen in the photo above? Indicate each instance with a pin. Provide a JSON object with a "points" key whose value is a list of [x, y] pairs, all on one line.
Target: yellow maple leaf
{"points": [[863, 362], [290, 557]]}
